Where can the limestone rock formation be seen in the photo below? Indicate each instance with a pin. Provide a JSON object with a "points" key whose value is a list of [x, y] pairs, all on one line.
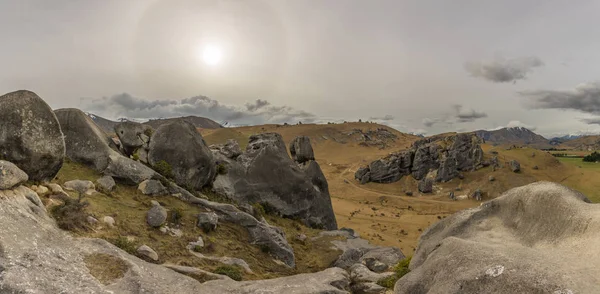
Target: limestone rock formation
{"points": [[538, 238], [182, 147], [446, 155], [30, 136], [11, 175], [208, 221], [515, 166], [426, 185], [157, 215], [266, 174], [231, 149], [85, 142], [106, 183], [152, 188], [301, 149], [133, 136]]}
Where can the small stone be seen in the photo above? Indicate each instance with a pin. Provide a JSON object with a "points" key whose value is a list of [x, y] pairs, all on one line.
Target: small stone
{"points": [[152, 188], [491, 178], [515, 166], [41, 190], [106, 183], [92, 220], [208, 221], [11, 175], [157, 215], [408, 193], [109, 221], [301, 238], [375, 265], [198, 243], [55, 188], [536, 167], [495, 271], [147, 252], [426, 185]]}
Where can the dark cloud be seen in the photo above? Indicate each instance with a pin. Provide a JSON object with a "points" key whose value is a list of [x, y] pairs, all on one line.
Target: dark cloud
{"points": [[591, 121], [584, 97], [387, 117], [469, 115], [504, 70], [458, 115], [258, 112]]}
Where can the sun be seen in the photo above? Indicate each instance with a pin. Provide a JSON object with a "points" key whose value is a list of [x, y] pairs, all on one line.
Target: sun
{"points": [[212, 55]]}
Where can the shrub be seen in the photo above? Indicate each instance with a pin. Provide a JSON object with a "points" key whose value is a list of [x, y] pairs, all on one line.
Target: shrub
{"points": [[264, 248], [148, 132], [221, 169], [136, 155], [176, 216], [198, 248], [231, 271], [71, 214], [400, 270], [125, 244], [595, 156], [164, 168], [258, 210]]}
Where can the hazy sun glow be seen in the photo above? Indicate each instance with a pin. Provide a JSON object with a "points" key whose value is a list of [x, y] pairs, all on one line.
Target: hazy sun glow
{"points": [[211, 55]]}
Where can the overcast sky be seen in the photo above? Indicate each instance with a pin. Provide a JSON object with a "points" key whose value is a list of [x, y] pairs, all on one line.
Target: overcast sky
{"points": [[419, 66]]}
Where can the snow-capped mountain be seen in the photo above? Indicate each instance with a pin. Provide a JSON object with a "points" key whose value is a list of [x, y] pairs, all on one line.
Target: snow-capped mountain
{"points": [[513, 136]]}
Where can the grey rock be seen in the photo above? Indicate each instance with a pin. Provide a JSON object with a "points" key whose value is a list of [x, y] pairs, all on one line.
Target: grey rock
{"points": [[181, 146], [11, 175], [106, 183], [197, 243], [359, 273], [358, 250], [128, 171], [301, 149], [132, 136], [535, 167], [224, 260], [92, 220], [255, 177], [408, 193], [195, 272], [260, 233], [80, 186], [108, 220], [390, 256], [491, 178], [329, 281], [156, 216], [230, 150], [510, 245], [363, 175], [41, 190], [515, 166], [426, 185], [477, 195], [208, 221], [146, 252], [152, 188], [376, 265], [349, 257], [55, 188], [367, 288], [85, 142], [31, 137]]}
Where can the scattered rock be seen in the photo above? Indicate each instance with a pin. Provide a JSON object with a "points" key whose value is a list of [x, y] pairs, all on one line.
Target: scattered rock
{"points": [[197, 243], [55, 188], [491, 178], [301, 238], [301, 149], [10, 174], [128, 171], [31, 136], [376, 265], [181, 146], [157, 215], [93, 221], [106, 184], [408, 193], [81, 186], [41, 190], [515, 166], [152, 188], [108, 220], [225, 260], [359, 273], [148, 253], [477, 195], [208, 221], [426, 185], [230, 150], [535, 167]]}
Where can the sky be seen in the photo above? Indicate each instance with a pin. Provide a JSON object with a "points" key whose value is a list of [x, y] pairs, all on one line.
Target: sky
{"points": [[418, 66]]}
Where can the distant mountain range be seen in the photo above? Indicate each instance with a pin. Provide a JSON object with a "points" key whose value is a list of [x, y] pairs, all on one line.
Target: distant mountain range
{"points": [[566, 138], [199, 122], [514, 136]]}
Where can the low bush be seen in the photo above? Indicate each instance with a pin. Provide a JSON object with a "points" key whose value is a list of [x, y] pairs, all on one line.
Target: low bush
{"points": [[71, 215], [400, 270], [125, 244], [164, 168], [233, 272]]}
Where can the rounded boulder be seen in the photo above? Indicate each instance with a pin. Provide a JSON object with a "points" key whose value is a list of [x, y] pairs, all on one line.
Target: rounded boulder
{"points": [[30, 136]]}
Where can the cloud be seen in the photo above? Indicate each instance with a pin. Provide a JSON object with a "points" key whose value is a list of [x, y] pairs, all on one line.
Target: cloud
{"points": [[514, 124], [468, 115], [591, 121], [457, 115], [584, 98], [257, 112], [387, 117], [504, 70]]}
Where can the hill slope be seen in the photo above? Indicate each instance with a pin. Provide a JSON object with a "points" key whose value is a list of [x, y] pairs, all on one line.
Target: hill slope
{"points": [[106, 125], [585, 143], [513, 136]]}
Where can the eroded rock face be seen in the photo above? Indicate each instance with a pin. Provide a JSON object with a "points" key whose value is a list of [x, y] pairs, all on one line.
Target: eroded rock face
{"points": [[133, 136], [520, 242], [265, 174], [30, 136], [447, 156], [301, 149], [231, 149], [182, 147], [85, 142]]}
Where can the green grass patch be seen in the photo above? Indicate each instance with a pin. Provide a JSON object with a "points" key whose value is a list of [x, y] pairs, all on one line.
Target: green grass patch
{"points": [[231, 271], [400, 270], [579, 162]]}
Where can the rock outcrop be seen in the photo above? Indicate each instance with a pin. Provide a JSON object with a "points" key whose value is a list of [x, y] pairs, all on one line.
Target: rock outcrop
{"points": [[11, 175], [447, 156], [181, 146], [266, 174], [539, 238], [30, 136], [301, 150], [133, 136]]}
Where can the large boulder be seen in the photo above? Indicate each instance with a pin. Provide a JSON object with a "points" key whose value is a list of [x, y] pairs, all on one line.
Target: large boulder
{"points": [[538, 238], [181, 147], [266, 174], [30, 136], [133, 136], [231, 149], [127, 170], [515, 166], [86, 143], [10, 175], [301, 150]]}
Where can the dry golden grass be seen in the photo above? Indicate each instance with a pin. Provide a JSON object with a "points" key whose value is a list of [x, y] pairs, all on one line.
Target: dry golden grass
{"points": [[105, 267]]}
